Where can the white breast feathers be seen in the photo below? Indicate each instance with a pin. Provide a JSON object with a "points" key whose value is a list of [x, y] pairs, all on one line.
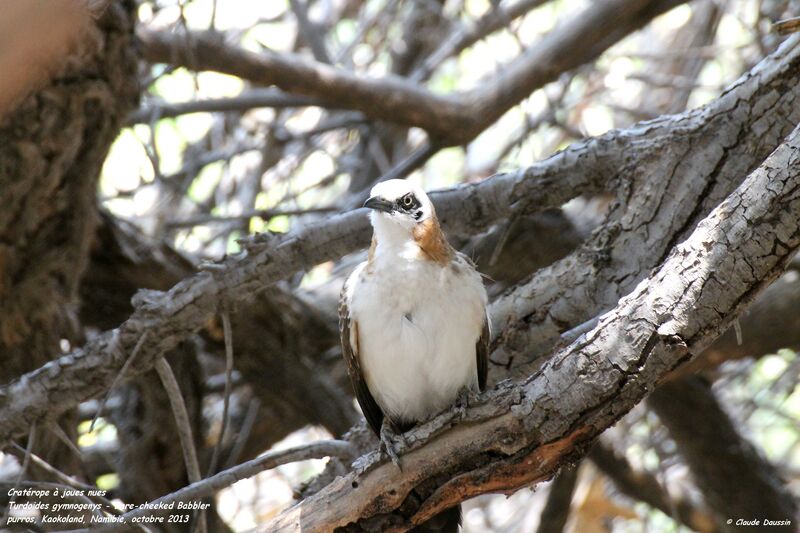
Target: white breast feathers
{"points": [[418, 325]]}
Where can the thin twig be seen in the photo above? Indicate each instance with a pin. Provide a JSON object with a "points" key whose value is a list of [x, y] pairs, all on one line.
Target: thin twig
{"points": [[265, 214], [492, 21], [211, 485], [412, 162], [501, 242], [24, 467], [59, 432], [244, 101], [787, 26], [228, 335], [366, 24], [244, 432], [68, 481], [117, 379], [182, 421]]}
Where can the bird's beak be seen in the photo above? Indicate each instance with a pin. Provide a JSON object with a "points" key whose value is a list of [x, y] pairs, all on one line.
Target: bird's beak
{"points": [[379, 204]]}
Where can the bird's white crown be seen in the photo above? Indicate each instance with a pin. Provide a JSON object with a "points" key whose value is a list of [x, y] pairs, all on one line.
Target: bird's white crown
{"points": [[398, 206]]}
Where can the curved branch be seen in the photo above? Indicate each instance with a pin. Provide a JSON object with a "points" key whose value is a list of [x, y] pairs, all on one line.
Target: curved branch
{"points": [[172, 316], [520, 434], [451, 119], [666, 185], [763, 102], [244, 101], [213, 484]]}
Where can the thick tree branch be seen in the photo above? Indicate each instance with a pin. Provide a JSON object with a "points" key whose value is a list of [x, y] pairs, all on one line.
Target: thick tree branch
{"points": [[211, 485], [451, 119], [662, 193], [172, 316], [771, 323], [249, 99], [765, 98], [389, 97], [559, 501], [519, 434]]}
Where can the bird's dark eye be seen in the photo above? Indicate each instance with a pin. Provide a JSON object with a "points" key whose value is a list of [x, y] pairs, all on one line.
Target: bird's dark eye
{"points": [[407, 200]]}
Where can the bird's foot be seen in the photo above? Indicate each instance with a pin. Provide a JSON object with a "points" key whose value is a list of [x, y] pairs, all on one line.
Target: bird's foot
{"points": [[465, 398], [390, 441]]}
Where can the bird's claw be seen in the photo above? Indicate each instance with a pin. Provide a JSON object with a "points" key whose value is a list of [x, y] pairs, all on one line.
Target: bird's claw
{"points": [[390, 440], [463, 401]]}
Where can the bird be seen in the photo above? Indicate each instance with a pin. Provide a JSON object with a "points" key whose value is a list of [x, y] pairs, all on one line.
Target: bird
{"points": [[413, 322]]}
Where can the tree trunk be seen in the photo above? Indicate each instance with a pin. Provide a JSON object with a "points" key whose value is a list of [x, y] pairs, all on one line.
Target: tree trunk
{"points": [[52, 147]]}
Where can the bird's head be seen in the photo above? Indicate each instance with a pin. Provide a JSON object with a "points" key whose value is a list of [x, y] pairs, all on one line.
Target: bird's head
{"points": [[402, 214], [398, 205]]}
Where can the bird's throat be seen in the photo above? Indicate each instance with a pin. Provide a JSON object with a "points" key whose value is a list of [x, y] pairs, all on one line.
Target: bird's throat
{"points": [[430, 239], [424, 241]]}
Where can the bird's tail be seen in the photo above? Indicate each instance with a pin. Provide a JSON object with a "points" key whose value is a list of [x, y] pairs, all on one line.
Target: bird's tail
{"points": [[445, 522]]}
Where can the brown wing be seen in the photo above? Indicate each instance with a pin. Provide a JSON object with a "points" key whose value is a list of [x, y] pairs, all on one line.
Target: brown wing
{"points": [[348, 333], [482, 354]]}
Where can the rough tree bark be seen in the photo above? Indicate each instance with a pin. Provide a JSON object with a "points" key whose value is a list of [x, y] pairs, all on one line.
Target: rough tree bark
{"points": [[519, 434], [665, 184], [751, 119], [51, 150], [451, 120], [52, 145], [761, 103]]}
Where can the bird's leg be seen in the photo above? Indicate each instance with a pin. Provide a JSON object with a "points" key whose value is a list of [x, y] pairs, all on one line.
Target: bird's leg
{"points": [[390, 439]]}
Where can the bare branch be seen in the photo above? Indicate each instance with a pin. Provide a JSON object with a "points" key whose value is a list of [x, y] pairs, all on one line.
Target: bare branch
{"points": [[171, 316], [766, 101], [644, 487], [249, 99], [454, 119], [265, 214], [226, 478], [517, 435], [336, 88], [226, 398], [701, 429], [559, 500], [118, 378], [492, 21], [768, 326], [184, 427], [657, 205]]}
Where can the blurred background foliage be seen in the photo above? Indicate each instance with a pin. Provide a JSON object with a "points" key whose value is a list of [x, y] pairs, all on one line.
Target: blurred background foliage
{"points": [[199, 181]]}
